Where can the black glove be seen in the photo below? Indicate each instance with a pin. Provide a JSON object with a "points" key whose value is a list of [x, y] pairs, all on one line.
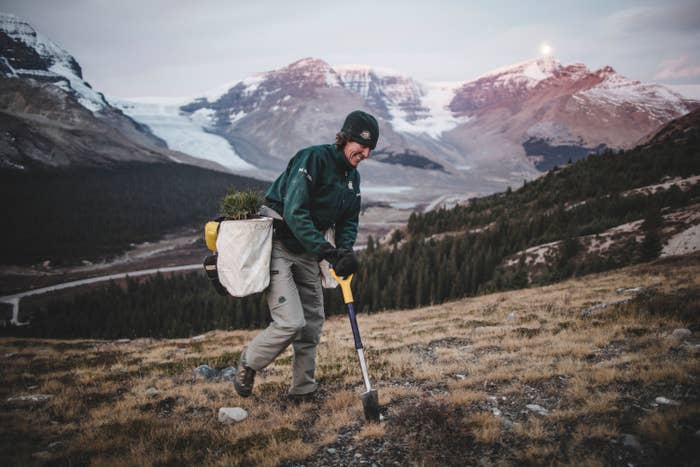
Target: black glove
{"points": [[346, 264], [213, 274], [330, 254]]}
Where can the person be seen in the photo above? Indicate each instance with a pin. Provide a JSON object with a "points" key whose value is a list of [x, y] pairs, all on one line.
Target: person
{"points": [[319, 190]]}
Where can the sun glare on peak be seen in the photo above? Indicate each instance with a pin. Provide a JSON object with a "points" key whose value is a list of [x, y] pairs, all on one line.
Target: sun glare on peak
{"points": [[546, 49]]}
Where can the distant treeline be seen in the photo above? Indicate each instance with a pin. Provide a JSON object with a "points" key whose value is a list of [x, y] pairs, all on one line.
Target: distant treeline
{"points": [[65, 215], [158, 306], [583, 198]]}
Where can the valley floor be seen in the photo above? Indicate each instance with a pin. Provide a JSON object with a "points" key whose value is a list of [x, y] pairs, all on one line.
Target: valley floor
{"points": [[599, 370]]}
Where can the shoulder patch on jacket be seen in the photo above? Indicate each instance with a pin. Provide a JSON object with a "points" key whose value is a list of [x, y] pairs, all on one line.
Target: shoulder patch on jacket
{"points": [[304, 171]]}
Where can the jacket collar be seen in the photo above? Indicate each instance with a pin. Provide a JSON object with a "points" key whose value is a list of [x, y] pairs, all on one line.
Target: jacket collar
{"points": [[342, 161]]}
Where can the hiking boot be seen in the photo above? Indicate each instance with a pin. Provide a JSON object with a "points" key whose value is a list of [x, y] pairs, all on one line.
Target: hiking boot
{"points": [[244, 379]]}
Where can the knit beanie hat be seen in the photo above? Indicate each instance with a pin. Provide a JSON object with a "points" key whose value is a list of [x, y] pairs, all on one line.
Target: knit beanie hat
{"points": [[362, 128]]}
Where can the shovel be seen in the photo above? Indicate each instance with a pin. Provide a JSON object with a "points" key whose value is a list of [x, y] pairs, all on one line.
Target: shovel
{"points": [[370, 398]]}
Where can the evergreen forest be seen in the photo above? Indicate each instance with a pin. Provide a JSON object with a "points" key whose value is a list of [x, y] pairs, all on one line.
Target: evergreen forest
{"points": [[441, 255], [83, 213]]}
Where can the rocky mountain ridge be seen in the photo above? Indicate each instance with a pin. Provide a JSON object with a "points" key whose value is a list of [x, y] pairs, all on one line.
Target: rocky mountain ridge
{"points": [[52, 117], [502, 126], [437, 139]]}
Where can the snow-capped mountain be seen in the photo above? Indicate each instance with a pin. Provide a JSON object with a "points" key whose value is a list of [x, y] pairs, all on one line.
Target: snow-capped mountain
{"points": [[557, 112], [52, 117], [437, 139], [268, 117], [410, 106], [502, 126], [26, 53]]}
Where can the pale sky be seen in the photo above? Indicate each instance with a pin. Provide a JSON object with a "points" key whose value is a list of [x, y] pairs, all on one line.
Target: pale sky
{"points": [[136, 48]]}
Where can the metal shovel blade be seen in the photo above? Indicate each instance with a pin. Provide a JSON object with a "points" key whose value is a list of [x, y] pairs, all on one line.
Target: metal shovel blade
{"points": [[370, 403]]}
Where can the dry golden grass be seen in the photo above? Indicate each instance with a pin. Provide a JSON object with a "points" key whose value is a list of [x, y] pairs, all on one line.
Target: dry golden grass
{"points": [[533, 429], [466, 368], [372, 430], [485, 427]]}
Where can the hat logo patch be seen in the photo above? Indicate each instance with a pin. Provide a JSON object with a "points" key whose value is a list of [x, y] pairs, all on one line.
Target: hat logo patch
{"points": [[365, 135]]}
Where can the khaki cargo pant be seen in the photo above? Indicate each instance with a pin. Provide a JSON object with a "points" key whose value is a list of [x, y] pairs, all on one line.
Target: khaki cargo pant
{"points": [[295, 298]]}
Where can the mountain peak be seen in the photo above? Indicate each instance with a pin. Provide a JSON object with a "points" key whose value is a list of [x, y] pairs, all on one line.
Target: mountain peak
{"points": [[356, 68], [535, 69], [17, 30], [307, 72], [606, 72], [25, 53], [309, 62]]}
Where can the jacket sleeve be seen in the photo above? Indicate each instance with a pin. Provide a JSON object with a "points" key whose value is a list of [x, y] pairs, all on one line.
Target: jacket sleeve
{"points": [[346, 227], [303, 174]]}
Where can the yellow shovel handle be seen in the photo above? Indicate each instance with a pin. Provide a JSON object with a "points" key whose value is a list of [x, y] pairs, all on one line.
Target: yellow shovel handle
{"points": [[344, 285]]}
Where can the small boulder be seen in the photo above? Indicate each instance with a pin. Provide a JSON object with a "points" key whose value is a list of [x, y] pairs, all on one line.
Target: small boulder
{"points": [[228, 373], [512, 316], [631, 441], [593, 310], [228, 415], [206, 372], [665, 401], [56, 445], [30, 399], [152, 391], [507, 423], [199, 338], [538, 409]]}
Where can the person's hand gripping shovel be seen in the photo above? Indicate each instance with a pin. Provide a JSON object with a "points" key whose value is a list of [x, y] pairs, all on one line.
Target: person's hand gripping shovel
{"points": [[370, 398]]}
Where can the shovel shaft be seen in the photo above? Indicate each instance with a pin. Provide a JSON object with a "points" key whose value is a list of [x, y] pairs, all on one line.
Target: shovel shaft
{"points": [[350, 307], [363, 366], [353, 324]]}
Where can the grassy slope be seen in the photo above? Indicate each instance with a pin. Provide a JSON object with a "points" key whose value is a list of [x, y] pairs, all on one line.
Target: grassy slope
{"points": [[440, 371]]}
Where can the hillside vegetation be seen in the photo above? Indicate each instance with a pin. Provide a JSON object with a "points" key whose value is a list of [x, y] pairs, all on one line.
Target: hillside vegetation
{"points": [[69, 215], [601, 370], [604, 212]]}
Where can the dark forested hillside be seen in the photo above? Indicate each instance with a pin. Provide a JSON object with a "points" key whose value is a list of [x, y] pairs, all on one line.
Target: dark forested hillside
{"points": [[600, 177], [632, 202], [158, 306], [84, 213]]}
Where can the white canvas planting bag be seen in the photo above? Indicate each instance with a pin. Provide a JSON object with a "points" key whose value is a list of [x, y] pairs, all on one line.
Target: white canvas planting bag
{"points": [[244, 248]]}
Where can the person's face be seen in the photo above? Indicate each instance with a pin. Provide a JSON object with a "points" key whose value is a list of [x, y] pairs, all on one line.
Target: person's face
{"points": [[355, 152]]}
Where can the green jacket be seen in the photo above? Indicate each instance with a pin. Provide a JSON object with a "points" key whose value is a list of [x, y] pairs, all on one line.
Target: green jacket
{"points": [[318, 190]]}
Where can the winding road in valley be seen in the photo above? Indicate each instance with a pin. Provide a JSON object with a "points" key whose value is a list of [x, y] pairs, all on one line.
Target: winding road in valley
{"points": [[14, 299]]}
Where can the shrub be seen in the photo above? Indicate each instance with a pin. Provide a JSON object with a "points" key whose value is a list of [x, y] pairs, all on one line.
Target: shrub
{"points": [[241, 204]]}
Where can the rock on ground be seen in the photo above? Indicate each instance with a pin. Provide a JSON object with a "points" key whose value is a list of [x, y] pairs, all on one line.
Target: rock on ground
{"points": [[537, 409], [206, 372], [631, 441], [665, 401], [230, 415]]}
